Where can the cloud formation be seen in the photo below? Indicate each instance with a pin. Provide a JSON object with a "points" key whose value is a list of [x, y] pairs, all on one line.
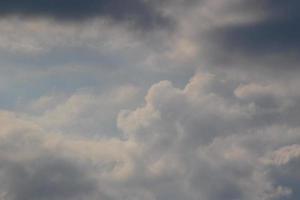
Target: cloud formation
{"points": [[208, 110], [260, 34], [187, 143], [144, 14], [220, 146]]}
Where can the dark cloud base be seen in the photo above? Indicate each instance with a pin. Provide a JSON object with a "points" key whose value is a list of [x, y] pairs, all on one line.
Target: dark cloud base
{"points": [[277, 33], [272, 42], [141, 13], [47, 177]]}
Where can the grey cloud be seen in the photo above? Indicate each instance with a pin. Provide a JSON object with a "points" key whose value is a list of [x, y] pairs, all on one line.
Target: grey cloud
{"points": [[193, 142], [217, 143], [270, 44], [29, 170], [45, 177], [210, 139], [187, 143], [277, 32], [144, 14], [283, 170]]}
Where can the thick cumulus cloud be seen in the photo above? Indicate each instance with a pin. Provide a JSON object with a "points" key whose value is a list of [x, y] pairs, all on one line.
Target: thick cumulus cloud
{"points": [[144, 14], [195, 142], [217, 147], [37, 165]]}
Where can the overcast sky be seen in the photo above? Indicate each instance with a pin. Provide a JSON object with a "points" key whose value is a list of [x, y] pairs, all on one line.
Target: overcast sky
{"points": [[149, 100]]}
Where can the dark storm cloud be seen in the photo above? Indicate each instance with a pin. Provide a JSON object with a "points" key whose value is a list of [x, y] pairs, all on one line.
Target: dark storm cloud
{"points": [[273, 39], [138, 12], [278, 32], [267, 36]]}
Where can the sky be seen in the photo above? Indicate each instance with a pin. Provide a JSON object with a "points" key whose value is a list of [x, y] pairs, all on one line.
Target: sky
{"points": [[149, 100]]}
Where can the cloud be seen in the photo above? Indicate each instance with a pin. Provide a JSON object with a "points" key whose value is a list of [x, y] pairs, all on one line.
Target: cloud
{"points": [[217, 145], [84, 111], [30, 170], [269, 43], [183, 143], [78, 129], [143, 14], [36, 164], [240, 36], [45, 178], [277, 32], [284, 163]]}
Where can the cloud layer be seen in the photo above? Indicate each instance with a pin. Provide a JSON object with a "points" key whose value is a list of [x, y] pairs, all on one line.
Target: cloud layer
{"points": [[144, 14], [207, 109], [186, 143]]}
